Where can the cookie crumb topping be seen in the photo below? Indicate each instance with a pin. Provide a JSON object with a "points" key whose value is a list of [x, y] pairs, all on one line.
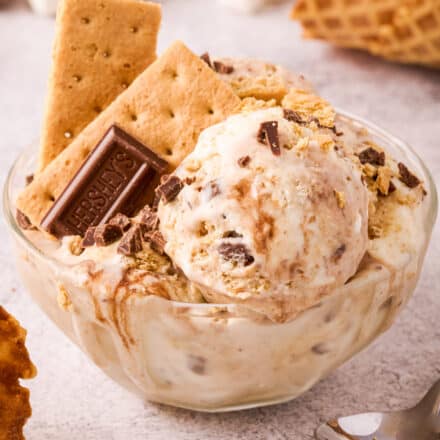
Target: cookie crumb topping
{"points": [[340, 198]]}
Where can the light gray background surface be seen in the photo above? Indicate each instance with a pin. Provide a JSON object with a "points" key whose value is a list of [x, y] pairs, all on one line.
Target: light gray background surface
{"points": [[71, 398]]}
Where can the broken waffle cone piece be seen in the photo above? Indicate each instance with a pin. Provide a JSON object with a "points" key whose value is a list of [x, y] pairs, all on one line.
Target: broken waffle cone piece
{"points": [[15, 364], [405, 31]]}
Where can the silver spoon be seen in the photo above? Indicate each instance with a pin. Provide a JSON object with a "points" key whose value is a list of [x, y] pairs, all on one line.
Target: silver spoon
{"points": [[419, 423]]}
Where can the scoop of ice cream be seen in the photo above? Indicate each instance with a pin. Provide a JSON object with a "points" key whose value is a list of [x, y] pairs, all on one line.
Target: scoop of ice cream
{"points": [[276, 232]]}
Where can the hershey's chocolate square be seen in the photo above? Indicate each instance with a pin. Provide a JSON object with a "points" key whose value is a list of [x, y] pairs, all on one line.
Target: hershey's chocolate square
{"points": [[113, 179]]}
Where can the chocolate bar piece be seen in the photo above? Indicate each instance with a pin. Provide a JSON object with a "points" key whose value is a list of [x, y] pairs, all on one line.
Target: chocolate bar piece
{"points": [[131, 242], [268, 134], [107, 234], [112, 180], [169, 188]]}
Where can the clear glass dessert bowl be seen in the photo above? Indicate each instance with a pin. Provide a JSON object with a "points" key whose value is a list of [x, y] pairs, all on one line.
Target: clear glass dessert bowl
{"points": [[219, 357]]}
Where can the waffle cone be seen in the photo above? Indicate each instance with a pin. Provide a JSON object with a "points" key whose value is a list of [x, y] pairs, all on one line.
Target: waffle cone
{"points": [[407, 31]]}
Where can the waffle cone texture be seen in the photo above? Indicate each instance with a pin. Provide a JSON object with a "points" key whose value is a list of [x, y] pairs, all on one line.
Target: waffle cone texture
{"points": [[406, 31]]}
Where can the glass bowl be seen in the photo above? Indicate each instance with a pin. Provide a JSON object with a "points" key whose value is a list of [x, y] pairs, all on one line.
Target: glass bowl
{"points": [[218, 357]]}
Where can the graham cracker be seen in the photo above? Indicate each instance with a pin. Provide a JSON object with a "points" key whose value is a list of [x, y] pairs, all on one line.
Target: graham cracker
{"points": [[166, 108], [100, 47]]}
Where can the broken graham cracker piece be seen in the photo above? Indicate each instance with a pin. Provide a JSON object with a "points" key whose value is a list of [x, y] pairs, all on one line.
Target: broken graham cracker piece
{"points": [[262, 88], [306, 104], [165, 108], [101, 46]]}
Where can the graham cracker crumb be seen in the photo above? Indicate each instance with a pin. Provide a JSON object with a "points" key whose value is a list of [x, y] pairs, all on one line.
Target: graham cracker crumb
{"points": [[340, 198], [75, 246], [302, 145], [193, 165], [326, 142], [383, 181], [63, 298]]}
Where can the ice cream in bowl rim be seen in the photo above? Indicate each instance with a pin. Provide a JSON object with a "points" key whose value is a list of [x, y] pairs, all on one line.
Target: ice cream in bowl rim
{"points": [[219, 357]]}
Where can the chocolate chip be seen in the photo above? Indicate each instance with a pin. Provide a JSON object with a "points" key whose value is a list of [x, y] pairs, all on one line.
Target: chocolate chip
{"points": [[29, 179], [169, 189], [197, 364], [408, 178], [89, 237], [236, 252], [23, 221], [156, 240], [148, 219], [337, 254], [222, 68], [232, 234], [372, 156], [244, 161], [121, 221], [268, 134], [131, 242], [107, 234], [206, 58], [293, 116]]}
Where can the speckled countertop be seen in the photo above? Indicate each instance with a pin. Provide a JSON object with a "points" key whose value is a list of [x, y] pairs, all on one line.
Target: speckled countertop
{"points": [[71, 398]]}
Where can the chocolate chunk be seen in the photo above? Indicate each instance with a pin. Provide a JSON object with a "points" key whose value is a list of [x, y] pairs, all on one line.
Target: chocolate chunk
{"points": [[22, 220], [391, 188], [156, 202], [189, 180], [107, 234], [408, 178], [268, 134], [121, 221], [293, 116], [206, 58], [89, 237], [372, 156], [222, 68], [337, 254], [244, 161], [232, 234], [157, 241], [114, 178], [149, 219], [169, 189], [29, 179], [131, 242], [236, 252]]}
